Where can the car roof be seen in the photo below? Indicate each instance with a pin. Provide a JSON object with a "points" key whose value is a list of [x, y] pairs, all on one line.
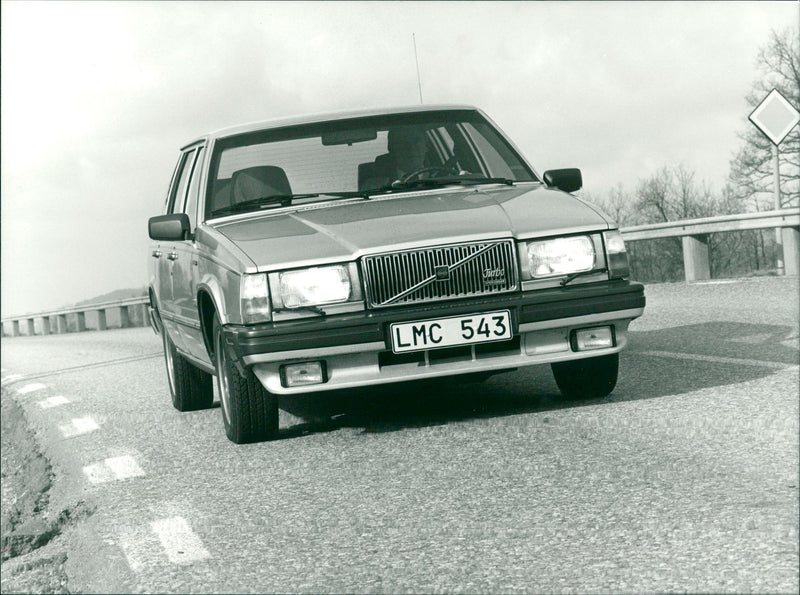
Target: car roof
{"points": [[323, 117]]}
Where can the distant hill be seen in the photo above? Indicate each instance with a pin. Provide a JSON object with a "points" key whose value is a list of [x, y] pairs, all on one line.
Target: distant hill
{"points": [[118, 294]]}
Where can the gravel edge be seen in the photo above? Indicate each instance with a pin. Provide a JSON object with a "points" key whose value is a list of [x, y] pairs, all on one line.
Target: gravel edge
{"points": [[33, 555]]}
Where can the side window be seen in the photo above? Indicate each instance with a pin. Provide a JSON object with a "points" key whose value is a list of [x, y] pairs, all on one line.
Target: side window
{"points": [[178, 191], [191, 199]]}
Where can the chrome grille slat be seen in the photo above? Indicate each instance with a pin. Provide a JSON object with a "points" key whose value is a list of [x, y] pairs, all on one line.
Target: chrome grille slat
{"points": [[390, 277]]}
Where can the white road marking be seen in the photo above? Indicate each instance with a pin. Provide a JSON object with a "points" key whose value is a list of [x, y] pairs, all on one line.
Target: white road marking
{"points": [[719, 360], [180, 543], [113, 469], [78, 426], [51, 402], [752, 339], [716, 282], [30, 388]]}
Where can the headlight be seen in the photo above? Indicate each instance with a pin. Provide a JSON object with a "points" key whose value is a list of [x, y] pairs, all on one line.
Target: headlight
{"points": [[561, 256], [618, 266], [255, 298], [316, 286]]}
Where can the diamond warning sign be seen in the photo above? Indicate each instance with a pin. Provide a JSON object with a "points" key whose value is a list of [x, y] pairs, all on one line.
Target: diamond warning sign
{"points": [[775, 117]]}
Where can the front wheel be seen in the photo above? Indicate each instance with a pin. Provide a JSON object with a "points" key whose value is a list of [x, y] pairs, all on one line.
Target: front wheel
{"points": [[191, 388], [249, 411], [587, 378]]}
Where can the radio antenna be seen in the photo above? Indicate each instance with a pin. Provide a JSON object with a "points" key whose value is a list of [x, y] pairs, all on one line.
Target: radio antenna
{"points": [[419, 83]]}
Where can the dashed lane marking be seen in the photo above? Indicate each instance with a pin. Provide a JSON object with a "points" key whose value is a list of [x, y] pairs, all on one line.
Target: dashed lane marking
{"points": [[113, 469], [30, 388], [180, 543], [78, 426], [718, 360], [51, 402]]}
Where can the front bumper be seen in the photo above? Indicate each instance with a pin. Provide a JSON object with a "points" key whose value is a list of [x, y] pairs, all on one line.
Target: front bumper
{"points": [[357, 351]]}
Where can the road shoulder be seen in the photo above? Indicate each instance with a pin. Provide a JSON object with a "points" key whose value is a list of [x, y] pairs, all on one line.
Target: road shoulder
{"points": [[33, 555]]}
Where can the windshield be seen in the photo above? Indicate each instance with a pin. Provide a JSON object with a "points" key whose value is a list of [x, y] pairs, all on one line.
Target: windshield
{"points": [[358, 157]]}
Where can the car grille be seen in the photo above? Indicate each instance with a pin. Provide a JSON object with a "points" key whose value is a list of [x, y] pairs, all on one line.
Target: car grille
{"points": [[440, 273]]}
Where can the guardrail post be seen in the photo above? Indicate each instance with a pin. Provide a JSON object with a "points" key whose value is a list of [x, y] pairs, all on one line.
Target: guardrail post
{"points": [[695, 258], [15, 328], [45, 325], [144, 314], [791, 250], [61, 323], [80, 321], [101, 320], [124, 317], [29, 327]]}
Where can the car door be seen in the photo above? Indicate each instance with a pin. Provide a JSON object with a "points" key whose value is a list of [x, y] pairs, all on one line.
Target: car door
{"points": [[167, 253], [185, 270]]}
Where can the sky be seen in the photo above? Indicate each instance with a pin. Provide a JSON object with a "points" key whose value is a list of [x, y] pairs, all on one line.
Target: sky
{"points": [[97, 98]]}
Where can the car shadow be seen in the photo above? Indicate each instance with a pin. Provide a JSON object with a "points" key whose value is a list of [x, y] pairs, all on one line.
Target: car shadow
{"points": [[656, 364]]}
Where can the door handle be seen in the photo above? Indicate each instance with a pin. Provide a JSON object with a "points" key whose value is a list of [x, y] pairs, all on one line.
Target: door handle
{"points": [[156, 254], [172, 256]]}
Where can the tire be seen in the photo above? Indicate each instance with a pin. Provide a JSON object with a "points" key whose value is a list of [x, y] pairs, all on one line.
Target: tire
{"points": [[588, 378], [249, 411], [191, 388]]}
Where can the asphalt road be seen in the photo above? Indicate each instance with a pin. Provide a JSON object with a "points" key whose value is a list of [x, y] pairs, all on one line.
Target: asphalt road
{"points": [[684, 479]]}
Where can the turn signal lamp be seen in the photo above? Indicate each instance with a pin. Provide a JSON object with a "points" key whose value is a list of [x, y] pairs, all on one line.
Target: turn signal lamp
{"points": [[255, 299], [618, 267]]}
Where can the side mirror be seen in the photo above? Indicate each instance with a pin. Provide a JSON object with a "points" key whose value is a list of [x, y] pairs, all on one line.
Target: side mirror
{"points": [[169, 228], [568, 180]]}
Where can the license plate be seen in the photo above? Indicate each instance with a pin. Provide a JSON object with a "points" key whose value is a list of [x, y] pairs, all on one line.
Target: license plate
{"points": [[452, 331]]}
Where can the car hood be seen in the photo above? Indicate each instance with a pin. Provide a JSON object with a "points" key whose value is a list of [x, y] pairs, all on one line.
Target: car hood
{"points": [[340, 231]]}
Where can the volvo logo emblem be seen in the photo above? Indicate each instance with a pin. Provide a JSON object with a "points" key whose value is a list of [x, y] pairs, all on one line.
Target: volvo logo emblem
{"points": [[442, 273]]}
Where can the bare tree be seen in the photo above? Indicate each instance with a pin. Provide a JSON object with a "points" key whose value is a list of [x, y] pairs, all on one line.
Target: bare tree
{"points": [[751, 168]]}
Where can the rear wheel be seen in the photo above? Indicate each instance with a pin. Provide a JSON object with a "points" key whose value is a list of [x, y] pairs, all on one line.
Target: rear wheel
{"points": [[191, 388], [587, 378], [249, 411]]}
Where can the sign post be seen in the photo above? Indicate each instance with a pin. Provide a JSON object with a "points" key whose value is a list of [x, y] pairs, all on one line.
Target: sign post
{"points": [[776, 117]]}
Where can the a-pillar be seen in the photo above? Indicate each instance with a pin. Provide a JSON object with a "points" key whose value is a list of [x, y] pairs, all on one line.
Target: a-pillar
{"points": [[80, 322], [791, 250], [695, 258]]}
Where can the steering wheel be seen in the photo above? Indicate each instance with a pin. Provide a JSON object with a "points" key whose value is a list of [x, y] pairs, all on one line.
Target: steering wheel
{"points": [[446, 168]]}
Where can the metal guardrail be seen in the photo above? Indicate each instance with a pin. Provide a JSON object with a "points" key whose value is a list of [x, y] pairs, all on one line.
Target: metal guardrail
{"points": [[132, 312], [693, 232], [694, 236], [721, 223]]}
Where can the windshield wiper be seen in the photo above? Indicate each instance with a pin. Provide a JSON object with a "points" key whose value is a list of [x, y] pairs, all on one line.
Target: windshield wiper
{"points": [[447, 181], [283, 200], [261, 201]]}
